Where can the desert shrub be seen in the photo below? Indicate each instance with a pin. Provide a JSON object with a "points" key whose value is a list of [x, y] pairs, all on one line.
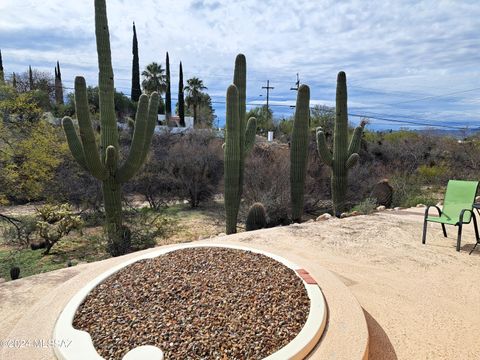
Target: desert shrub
{"points": [[72, 184], [181, 167], [267, 181], [407, 192], [20, 232], [148, 226], [55, 222], [195, 161], [433, 174], [366, 206]]}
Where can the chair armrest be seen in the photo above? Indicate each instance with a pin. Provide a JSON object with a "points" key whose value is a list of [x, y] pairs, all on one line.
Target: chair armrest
{"points": [[436, 207], [463, 212]]}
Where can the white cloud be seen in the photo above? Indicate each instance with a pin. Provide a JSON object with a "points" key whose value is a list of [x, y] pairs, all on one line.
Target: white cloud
{"points": [[402, 49]]}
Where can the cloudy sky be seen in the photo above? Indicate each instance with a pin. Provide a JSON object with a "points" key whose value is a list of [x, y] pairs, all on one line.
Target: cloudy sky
{"points": [[413, 61]]}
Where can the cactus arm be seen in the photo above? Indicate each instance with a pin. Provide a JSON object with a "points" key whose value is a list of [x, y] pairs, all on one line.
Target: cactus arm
{"points": [[105, 78], [132, 164], [151, 123], [232, 160], [352, 160], [74, 142], [356, 139], [322, 148], [111, 159], [90, 150], [250, 134]]}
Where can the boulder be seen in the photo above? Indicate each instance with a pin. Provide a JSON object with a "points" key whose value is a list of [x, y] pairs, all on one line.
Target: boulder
{"points": [[421, 206], [324, 217], [343, 215], [381, 208], [382, 193]]}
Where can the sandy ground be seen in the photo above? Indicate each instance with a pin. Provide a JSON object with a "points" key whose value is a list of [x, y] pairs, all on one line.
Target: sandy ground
{"points": [[420, 301]]}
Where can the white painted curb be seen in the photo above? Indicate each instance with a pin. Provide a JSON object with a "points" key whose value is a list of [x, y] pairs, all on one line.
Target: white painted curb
{"points": [[81, 346]]}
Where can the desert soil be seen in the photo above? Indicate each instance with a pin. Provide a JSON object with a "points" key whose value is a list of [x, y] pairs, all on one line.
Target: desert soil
{"points": [[420, 301]]}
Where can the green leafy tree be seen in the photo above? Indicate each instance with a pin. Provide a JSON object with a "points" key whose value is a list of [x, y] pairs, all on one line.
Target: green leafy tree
{"points": [[194, 90], [264, 118], [29, 160]]}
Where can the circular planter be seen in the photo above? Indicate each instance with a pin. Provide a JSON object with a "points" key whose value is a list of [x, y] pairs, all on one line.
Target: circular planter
{"points": [[81, 346]]}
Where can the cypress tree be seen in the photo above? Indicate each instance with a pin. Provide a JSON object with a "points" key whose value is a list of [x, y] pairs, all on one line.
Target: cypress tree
{"points": [[30, 77], [14, 81], [58, 85], [168, 95], [181, 99], [2, 79], [136, 91]]}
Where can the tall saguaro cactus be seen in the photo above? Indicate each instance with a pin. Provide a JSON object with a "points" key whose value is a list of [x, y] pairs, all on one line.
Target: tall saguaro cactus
{"points": [[103, 163], [345, 155], [299, 152], [239, 140]]}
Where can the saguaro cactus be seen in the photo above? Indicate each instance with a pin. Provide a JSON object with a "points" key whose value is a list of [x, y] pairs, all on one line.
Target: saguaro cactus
{"points": [[299, 151], [344, 156], [239, 140], [103, 163]]}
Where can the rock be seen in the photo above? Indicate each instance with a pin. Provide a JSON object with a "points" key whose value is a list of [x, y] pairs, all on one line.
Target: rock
{"points": [[420, 206], [222, 234], [440, 204], [381, 208], [382, 193], [397, 208], [323, 217], [355, 213], [309, 221], [343, 215]]}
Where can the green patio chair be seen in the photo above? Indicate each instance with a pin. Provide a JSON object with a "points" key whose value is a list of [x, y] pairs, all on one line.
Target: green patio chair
{"points": [[457, 209]]}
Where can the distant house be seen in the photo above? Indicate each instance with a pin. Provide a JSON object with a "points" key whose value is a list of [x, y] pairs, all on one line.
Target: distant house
{"points": [[175, 121]]}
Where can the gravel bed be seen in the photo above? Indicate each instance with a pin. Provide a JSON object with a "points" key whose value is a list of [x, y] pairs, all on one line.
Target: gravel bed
{"points": [[197, 303]]}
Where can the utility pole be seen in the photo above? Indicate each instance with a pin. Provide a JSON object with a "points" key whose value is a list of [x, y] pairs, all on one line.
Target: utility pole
{"points": [[297, 85], [268, 88]]}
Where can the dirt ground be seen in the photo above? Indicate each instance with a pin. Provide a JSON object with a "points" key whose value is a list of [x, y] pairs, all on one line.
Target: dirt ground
{"points": [[420, 301]]}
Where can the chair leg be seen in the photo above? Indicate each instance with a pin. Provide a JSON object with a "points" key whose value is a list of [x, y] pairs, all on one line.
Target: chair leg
{"points": [[424, 238], [470, 253], [459, 239], [475, 226], [444, 230]]}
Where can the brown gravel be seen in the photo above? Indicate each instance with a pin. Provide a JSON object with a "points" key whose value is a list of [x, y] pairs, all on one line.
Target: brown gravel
{"points": [[198, 303]]}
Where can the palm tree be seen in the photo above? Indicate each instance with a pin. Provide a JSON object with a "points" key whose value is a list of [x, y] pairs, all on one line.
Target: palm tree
{"points": [[194, 90], [154, 79]]}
